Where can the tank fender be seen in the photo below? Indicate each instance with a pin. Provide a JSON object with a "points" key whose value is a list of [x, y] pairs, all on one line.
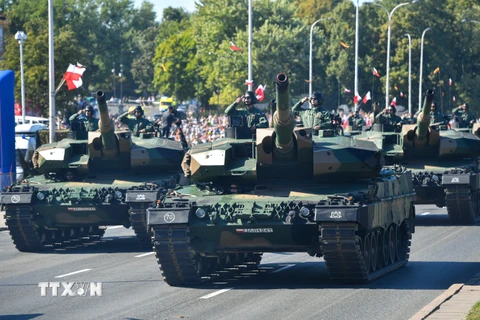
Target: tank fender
{"points": [[167, 216], [342, 214], [141, 196], [16, 197], [456, 179]]}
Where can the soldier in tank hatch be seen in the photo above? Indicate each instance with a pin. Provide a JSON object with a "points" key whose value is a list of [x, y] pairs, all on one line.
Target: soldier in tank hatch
{"points": [[317, 117], [464, 116], [435, 116], [138, 124], [389, 119], [91, 123], [254, 117]]}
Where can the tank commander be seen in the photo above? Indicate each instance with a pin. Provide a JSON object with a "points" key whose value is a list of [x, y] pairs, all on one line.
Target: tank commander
{"points": [[138, 124], [389, 119], [356, 120], [435, 116], [255, 118], [317, 117], [464, 116], [91, 123]]}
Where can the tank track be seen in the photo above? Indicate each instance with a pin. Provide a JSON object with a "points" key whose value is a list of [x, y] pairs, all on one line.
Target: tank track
{"points": [[138, 222], [360, 258], [180, 265], [29, 237], [463, 205]]}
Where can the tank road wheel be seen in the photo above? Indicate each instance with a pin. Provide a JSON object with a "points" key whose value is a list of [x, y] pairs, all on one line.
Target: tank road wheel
{"points": [[462, 204], [367, 249], [392, 242], [373, 251], [385, 247], [25, 232], [138, 221]]}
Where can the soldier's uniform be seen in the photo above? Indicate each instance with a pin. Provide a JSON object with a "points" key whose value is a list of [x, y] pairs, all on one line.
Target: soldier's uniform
{"points": [[253, 117], [91, 123], [465, 116], [389, 121], [317, 116], [355, 119], [136, 124], [435, 115]]}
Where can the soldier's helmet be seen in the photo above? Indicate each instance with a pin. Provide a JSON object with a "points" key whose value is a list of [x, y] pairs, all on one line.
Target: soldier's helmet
{"points": [[89, 109], [139, 109], [434, 105], [317, 96], [251, 95], [391, 109]]}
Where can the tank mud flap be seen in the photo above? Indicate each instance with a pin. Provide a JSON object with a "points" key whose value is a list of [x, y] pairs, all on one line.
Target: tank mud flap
{"points": [[138, 221], [463, 205], [360, 258], [182, 266]]}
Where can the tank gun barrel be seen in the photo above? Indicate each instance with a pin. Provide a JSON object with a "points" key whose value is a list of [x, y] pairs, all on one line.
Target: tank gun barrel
{"points": [[423, 120], [105, 124], [283, 120]]}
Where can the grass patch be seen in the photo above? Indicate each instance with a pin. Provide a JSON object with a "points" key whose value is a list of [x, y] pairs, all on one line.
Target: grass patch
{"points": [[474, 313]]}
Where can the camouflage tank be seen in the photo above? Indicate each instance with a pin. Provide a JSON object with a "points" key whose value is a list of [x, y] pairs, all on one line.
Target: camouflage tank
{"points": [[444, 162], [88, 181], [286, 190]]}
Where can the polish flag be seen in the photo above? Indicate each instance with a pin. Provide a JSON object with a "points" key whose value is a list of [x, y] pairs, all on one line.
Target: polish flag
{"points": [[453, 99], [73, 76], [233, 47], [394, 102], [356, 98], [401, 95], [347, 90], [366, 98], [260, 92], [450, 82], [249, 82], [375, 73]]}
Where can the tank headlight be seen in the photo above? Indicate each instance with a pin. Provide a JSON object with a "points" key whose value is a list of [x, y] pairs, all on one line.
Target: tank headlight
{"points": [[200, 213], [40, 196], [118, 194], [435, 178], [304, 212]]}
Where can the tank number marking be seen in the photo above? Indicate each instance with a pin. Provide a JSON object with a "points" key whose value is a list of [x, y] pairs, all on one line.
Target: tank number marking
{"points": [[335, 215], [169, 217], [15, 198], [256, 230], [82, 209], [140, 197], [455, 180]]}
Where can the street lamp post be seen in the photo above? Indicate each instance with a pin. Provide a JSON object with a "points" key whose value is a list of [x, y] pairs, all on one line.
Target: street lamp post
{"points": [[356, 55], [114, 86], [421, 69], [390, 14], [310, 75], [409, 74], [20, 36], [121, 82]]}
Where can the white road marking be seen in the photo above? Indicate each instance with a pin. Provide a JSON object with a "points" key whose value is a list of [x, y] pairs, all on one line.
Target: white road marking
{"points": [[75, 272], [284, 268], [216, 293], [144, 254], [425, 213], [114, 227]]}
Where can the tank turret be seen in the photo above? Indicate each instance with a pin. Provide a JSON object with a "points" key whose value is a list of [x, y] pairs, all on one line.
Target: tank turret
{"points": [[283, 120], [106, 126]]}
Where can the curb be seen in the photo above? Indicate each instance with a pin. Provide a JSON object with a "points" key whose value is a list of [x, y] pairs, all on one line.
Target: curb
{"points": [[3, 226], [435, 304]]}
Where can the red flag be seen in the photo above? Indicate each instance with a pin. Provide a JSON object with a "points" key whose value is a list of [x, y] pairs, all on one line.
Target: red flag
{"points": [[260, 92], [356, 98], [394, 102], [375, 73], [347, 90], [233, 47], [249, 82], [73, 76], [450, 82], [366, 98]]}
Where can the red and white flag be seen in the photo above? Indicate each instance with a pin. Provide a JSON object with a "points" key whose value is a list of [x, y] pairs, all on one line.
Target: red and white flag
{"points": [[356, 98], [347, 90], [260, 92], [394, 102], [366, 98], [375, 73], [73, 76], [453, 99], [233, 47], [401, 95], [249, 82], [450, 82]]}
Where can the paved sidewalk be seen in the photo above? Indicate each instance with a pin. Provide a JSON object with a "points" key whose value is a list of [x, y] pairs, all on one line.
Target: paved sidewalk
{"points": [[453, 304], [2, 221]]}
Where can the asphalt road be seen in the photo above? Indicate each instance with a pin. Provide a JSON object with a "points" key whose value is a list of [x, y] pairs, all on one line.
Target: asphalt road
{"points": [[292, 286]]}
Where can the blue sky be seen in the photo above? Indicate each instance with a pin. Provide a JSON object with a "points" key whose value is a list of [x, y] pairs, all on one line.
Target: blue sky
{"points": [[189, 5]]}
